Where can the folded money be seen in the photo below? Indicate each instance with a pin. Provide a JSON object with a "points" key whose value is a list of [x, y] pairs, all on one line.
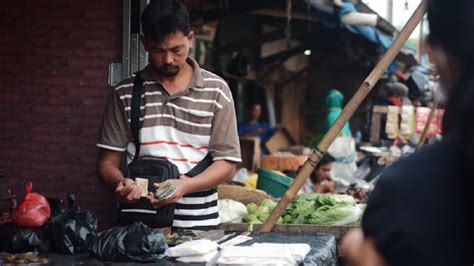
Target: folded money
{"points": [[165, 191]]}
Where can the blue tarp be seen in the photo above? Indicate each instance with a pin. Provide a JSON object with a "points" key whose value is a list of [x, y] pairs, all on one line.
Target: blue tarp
{"points": [[370, 33]]}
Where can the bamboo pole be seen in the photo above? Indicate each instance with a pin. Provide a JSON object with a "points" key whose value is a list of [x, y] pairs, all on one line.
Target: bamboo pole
{"points": [[428, 123], [347, 112]]}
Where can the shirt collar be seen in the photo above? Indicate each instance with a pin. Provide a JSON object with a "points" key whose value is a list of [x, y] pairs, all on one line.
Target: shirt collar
{"points": [[196, 80]]}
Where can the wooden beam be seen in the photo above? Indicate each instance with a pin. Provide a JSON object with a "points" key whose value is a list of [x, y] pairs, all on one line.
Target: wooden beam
{"points": [[252, 42], [284, 55], [294, 77], [259, 40], [282, 14]]}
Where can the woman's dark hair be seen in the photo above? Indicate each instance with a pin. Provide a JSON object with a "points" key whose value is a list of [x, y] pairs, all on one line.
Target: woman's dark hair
{"points": [[452, 29], [162, 17], [328, 158]]}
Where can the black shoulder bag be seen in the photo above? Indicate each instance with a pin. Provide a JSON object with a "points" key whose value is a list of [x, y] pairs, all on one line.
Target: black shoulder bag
{"points": [[156, 170]]}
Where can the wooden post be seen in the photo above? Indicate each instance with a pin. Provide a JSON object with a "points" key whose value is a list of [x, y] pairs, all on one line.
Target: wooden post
{"points": [[346, 113]]}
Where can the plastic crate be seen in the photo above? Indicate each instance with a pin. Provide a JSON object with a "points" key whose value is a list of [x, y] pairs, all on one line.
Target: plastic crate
{"points": [[273, 183]]}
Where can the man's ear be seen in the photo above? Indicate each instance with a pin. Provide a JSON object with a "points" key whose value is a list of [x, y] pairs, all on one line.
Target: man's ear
{"points": [[190, 38]]}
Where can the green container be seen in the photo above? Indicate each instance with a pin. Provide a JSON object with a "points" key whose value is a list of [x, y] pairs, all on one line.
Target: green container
{"points": [[273, 183]]}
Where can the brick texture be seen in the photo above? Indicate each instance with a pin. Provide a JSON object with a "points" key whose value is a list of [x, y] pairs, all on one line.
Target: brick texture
{"points": [[53, 82]]}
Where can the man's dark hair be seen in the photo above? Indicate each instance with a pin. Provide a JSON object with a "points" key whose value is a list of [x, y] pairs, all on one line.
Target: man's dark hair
{"points": [[163, 17]]}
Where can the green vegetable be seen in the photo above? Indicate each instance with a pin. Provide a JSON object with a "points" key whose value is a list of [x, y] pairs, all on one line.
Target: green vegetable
{"points": [[249, 217], [269, 203], [323, 209], [252, 219], [262, 209], [251, 207], [263, 216], [336, 215]]}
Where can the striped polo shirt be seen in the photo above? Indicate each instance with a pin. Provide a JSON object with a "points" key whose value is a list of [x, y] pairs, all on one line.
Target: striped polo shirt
{"points": [[182, 128]]}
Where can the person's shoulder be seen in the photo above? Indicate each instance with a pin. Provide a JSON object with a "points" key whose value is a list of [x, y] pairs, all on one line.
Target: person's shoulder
{"points": [[125, 86], [212, 79]]}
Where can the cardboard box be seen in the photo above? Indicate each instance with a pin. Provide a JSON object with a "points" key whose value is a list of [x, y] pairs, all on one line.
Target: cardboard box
{"points": [[282, 163], [250, 152], [280, 140]]}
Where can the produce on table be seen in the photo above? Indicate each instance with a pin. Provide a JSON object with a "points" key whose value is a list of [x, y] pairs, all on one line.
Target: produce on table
{"points": [[360, 195], [322, 209], [259, 214], [230, 210]]}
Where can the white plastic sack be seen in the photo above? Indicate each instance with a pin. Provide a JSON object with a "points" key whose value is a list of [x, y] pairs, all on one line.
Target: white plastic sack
{"points": [[343, 149], [231, 210], [198, 258], [298, 250], [251, 255], [192, 248]]}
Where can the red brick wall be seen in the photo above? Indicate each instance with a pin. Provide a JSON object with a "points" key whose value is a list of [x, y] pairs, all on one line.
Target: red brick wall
{"points": [[53, 85]]}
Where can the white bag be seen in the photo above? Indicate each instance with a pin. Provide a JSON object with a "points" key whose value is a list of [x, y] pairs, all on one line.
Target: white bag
{"points": [[343, 149], [192, 248]]}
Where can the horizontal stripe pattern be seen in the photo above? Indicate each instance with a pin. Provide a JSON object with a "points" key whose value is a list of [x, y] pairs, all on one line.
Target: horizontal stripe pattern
{"points": [[108, 147], [197, 200], [202, 101], [197, 212], [178, 128], [139, 211], [228, 158], [194, 224], [218, 90]]}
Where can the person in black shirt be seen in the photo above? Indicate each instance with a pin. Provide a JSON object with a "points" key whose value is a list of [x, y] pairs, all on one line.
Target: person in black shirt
{"points": [[421, 210]]}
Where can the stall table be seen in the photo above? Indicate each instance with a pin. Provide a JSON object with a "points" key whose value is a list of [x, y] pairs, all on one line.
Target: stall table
{"points": [[323, 250]]}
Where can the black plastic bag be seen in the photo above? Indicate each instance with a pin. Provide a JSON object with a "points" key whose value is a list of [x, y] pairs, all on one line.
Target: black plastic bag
{"points": [[135, 242], [16, 239], [57, 206], [72, 232]]}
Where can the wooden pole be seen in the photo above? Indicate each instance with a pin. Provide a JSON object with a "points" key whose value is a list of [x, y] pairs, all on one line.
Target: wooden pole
{"points": [[428, 123], [346, 113]]}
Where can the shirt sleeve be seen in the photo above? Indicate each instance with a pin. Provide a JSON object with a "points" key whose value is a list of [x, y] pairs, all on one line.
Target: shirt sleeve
{"points": [[224, 143], [115, 133]]}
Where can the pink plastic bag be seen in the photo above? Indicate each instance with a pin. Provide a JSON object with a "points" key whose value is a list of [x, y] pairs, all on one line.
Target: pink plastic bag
{"points": [[33, 211]]}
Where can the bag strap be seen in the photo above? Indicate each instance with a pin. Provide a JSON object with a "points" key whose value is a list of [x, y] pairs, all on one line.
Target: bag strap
{"points": [[201, 166], [135, 112], [135, 126]]}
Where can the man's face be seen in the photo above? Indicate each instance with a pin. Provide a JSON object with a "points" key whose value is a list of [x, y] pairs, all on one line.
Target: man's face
{"points": [[255, 112], [169, 56], [323, 172]]}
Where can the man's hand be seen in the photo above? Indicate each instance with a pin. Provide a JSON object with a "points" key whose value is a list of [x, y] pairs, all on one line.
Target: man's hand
{"points": [[128, 191], [181, 190]]}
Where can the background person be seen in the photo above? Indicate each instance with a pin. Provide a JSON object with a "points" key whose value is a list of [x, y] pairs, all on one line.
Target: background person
{"points": [[320, 179], [421, 210], [255, 128]]}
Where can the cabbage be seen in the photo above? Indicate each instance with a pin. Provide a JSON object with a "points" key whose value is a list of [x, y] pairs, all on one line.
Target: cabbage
{"points": [[336, 215], [322, 209], [230, 210]]}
